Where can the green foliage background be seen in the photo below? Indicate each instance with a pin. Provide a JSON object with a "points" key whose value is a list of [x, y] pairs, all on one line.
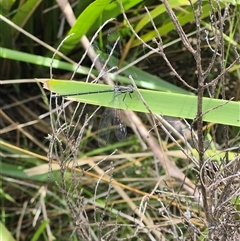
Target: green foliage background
{"points": [[30, 32]]}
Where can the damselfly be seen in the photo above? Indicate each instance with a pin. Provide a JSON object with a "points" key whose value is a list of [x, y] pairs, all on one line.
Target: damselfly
{"points": [[111, 117]]}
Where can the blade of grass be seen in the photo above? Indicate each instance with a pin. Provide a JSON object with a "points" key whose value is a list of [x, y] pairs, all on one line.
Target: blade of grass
{"points": [[24, 13], [5, 233], [164, 103], [40, 60], [99, 10], [143, 79]]}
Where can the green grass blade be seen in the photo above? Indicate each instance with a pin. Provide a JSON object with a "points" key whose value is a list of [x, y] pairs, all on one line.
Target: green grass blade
{"points": [[100, 11], [40, 60], [24, 13], [40, 231], [5, 233], [142, 78], [164, 103]]}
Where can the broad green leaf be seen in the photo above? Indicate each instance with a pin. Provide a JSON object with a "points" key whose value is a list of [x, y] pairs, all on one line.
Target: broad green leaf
{"points": [[84, 23], [164, 103]]}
